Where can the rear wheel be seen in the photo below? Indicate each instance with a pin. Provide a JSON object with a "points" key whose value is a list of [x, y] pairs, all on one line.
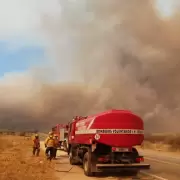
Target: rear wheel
{"points": [[87, 164], [135, 154], [71, 157], [134, 173]]}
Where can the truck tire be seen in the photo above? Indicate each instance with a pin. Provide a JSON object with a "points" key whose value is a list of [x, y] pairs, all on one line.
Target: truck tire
{"points": [[135, 154], [134, 173], [65, 146], [87, 164], [72, 161]]}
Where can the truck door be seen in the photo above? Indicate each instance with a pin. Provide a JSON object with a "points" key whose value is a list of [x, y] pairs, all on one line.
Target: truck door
{"points": [[71, 132]]}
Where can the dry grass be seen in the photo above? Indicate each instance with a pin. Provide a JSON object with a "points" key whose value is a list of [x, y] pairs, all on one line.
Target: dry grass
{"points": [[17, 163], [166, 142]]}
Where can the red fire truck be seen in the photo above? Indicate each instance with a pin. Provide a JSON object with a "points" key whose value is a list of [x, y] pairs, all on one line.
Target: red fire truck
{"points": [[61, 130], [106, 141]]}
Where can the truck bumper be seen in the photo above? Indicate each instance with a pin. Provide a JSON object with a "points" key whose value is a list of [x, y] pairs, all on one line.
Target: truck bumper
{"points": [[119, 167]]}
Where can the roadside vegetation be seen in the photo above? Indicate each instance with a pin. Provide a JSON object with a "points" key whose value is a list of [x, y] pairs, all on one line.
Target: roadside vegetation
{"points": [[17, 162], [163, 142]]}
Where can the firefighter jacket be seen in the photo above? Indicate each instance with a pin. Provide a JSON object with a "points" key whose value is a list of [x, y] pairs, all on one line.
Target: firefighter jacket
{"points": [[36, 143], [56, 142], [49, 142]]}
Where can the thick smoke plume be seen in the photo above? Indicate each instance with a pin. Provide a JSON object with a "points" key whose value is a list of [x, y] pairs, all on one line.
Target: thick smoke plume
{"points": [[122, 54]]}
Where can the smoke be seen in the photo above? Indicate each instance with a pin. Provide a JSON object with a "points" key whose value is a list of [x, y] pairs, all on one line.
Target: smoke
{"points": [[118, 54]]}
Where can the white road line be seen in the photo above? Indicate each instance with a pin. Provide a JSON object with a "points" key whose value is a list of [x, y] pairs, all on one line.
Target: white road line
{"points": [[160, 161], [153, 176]]}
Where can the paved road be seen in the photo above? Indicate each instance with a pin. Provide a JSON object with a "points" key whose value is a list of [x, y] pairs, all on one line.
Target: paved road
{"points": [[164, 165], [65, 171]]}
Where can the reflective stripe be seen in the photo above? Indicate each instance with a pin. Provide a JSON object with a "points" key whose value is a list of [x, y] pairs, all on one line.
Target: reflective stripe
{"points": [[110, 131], [90, 124]]}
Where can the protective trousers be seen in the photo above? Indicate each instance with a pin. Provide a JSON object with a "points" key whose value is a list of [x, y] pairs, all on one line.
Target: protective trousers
{"points": [[49, 153], [55, 152], [36, 151]]}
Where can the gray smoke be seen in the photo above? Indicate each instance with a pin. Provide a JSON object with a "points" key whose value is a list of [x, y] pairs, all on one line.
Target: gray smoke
{"points": [[121, 54]]}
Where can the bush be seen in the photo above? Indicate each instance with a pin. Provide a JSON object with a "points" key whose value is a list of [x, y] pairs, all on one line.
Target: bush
{"points": [[168, 139], [22, 133]]}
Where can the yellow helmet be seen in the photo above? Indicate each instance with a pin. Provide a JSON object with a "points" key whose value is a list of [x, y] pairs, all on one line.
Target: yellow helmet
{"points": [[50, 133], [36, 135]]}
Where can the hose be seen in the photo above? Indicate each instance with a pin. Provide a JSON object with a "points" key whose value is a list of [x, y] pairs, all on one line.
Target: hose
{"points": [[61, 171]]}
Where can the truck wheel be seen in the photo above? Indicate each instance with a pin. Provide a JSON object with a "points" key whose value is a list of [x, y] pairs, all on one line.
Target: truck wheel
{"points": [[65, 146], [71, 159], [87, 164], [134, 173], [135, 154]]}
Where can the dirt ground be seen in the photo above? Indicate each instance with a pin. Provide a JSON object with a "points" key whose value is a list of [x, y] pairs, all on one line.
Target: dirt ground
{"points": [[17, 162]]}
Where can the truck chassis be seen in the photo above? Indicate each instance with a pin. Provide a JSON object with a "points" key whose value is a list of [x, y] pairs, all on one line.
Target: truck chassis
{"points": [[99, 158]]}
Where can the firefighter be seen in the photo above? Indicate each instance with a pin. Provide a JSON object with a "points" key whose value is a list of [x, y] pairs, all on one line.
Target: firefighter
{"points": [[36, 145], [56, 141], [49, 145]]}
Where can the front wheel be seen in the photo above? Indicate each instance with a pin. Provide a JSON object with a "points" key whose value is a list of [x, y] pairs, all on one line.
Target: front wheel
{"points": [[87, 164], [65, 146]]}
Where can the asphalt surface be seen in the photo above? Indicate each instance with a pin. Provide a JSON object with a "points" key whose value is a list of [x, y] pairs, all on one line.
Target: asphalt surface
{"points": [[65, 171], [163, 167]]}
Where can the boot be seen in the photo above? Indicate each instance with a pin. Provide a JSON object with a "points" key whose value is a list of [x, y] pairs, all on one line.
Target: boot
{"points": [[38, 151]]}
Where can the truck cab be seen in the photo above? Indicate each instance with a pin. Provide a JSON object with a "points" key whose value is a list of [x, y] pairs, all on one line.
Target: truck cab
{"points": [[71, 133]]}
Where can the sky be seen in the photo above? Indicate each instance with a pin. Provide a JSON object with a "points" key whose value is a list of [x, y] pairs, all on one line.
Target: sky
{"points": [[22, 44], [22, 41]]}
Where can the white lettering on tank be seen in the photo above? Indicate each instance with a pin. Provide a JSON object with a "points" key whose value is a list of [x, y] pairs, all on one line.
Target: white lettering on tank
{"points": [[84, 130]]}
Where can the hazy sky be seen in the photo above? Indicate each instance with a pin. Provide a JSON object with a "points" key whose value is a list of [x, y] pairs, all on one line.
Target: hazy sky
{"points": [[22, 40]]}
